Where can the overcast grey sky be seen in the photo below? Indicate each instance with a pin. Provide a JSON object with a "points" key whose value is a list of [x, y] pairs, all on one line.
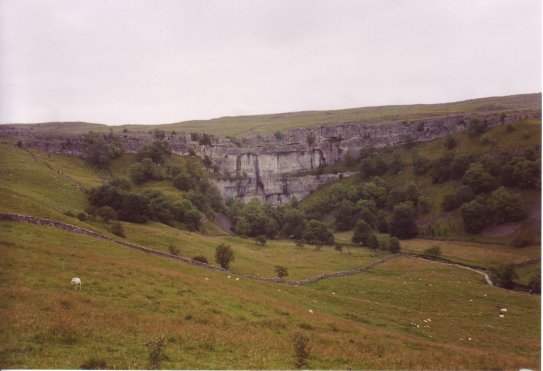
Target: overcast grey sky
{"points": [[161, 61]]}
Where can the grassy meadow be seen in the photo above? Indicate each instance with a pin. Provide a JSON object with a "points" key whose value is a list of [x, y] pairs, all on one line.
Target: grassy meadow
{"points": [[404, 314], [364, 321]]}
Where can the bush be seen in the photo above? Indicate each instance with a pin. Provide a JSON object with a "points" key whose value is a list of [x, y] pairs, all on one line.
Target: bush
{"points": [[192, 220], [281, 271], [261, 239], [201, 259], [318, 233], [476, 216], [174, 250], [520, 240], [117, 229], [424, 205], [394, 245], [432, 252], [157, 151], [107, 213], [82, 216], [477, 127], [503, 276], [224, 255], [478, 179], [403, 223], [535, 284], [99, 151], [506, 206], [69, 213], [450, 142], [362, 233], [301, 350]]}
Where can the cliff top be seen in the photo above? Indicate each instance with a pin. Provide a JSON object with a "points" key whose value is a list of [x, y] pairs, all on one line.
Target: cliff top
{"points": [[269, 123]]}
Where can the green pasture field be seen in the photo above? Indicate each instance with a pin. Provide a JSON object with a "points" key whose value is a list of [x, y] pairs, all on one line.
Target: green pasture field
{"points": [[129, 298]]}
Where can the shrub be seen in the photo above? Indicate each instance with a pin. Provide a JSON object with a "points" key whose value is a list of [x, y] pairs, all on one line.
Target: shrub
{"points": [[174, 250], [94, 363], [107, 213], [261, 239], [117, 229], [506, 206], [450, 142], [82, 216], [121, 183], [476, 216], [281, 271], [91, 210], [99, 151], [224, 255], [477, 127], [69, 213], [535, 284], [509, 128], [478, 179], [394, 245], [192, 220], [157, 151], [503, 276], [520, 240], [432, 252], [278, 135], [201, 259], [155, 347], [318, 233], [396, 163], [420, 164], [424, 205], [302, 348], [403, 223]]}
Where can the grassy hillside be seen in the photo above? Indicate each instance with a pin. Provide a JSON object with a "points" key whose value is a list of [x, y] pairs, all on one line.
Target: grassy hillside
{"points": [[130, 299], [254, 124], [497, 140]]}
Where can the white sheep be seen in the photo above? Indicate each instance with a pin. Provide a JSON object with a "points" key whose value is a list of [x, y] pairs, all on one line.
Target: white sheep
{"points": [[76, 283], [311, 311]]}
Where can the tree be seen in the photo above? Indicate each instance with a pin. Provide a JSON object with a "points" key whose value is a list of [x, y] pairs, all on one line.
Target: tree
{"points": [[477, 127], [243, 228], [506, 206], [99, 151], [192, 219], [117, 229], [134, 208], [420, 164], [318, 233], [535, 284], [475, 215], [396, 163], [261, 239], [503, 276], [183, 181], [107, 213], [344, 216], [106, 195], [394, 245], [224, 255], [432, 252], [157, 151], [403, 224], [478, 179], [293, 223], [281, 271], [450, 142], [362, 233]]}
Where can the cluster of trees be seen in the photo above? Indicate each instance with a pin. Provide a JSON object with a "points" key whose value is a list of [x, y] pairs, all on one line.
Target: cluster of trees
{"points": [[100, 149], [257, 219], [113, 202], [383, 209], [364, 235], [482, 198], [150, 158]]}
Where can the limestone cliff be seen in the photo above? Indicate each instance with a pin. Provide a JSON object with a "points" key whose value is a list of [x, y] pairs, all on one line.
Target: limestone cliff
{"points": [[266, 166]]}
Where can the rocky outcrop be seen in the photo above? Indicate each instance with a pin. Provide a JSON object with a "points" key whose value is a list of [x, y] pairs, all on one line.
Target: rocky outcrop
{"points": [[268, 166]]}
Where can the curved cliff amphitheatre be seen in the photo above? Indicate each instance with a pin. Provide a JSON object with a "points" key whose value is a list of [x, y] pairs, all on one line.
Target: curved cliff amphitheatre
{"points": [[353, 228]]}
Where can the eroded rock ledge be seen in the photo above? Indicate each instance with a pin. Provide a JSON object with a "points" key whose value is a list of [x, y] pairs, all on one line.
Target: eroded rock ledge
{"points": [[266, 166]]}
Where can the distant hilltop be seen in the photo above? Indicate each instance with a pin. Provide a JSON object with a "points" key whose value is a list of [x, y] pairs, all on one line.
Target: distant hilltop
{"points": [[246, 126]]}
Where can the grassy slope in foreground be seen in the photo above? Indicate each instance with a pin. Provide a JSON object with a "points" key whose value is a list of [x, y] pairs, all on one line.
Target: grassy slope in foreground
{"points": [[129, 298], [254, 124]]}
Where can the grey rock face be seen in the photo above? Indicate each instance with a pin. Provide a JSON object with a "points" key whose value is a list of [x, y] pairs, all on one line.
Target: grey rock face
{"points": [[265, 167]]}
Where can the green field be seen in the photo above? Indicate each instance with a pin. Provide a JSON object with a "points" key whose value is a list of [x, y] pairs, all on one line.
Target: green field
{"points": [[254, 124], [129, 298]]}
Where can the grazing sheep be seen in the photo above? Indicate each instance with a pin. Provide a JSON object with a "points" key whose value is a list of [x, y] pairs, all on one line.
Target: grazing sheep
{"points": [[311, 311], [504, 310], [76, 283]]}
